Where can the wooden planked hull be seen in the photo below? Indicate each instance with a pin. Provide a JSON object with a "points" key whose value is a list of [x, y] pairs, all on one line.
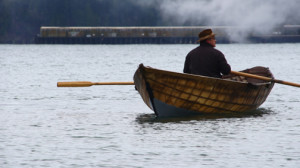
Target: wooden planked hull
{"points": [[178, 94]]}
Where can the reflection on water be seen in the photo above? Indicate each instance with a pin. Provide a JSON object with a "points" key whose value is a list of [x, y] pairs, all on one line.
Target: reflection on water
{"points": [[152, 118]]}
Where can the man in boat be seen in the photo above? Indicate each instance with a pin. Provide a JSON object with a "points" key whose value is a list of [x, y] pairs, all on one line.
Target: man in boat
{"points": [[205, 59]]}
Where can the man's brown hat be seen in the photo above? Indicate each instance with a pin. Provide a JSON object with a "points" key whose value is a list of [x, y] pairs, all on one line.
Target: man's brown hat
{"points": [[205, 34]]}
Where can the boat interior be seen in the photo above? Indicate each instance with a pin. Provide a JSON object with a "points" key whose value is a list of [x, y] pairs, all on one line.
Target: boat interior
{"points": [[261, 71]]}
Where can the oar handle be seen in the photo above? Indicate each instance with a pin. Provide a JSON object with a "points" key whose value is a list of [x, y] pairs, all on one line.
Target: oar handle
{"points": [[265, 78], [87, 83]]}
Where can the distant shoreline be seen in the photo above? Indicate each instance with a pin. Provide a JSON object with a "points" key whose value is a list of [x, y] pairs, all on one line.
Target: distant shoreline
{"points": [[161, 40], [157, 35]]}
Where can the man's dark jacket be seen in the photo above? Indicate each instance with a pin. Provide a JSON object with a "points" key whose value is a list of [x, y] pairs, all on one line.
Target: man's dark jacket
{"points": [[207, 61]]}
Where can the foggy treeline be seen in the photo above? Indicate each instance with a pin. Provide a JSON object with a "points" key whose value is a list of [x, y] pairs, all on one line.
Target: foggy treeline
{"points": [[20, 20]]}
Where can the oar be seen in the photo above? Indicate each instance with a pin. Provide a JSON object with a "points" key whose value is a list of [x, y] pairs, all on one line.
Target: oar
{"points": [[265, 78], [87, 83]]}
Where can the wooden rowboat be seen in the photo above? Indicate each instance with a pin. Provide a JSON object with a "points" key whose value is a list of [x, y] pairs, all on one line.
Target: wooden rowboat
{"points": [[178, 94]]}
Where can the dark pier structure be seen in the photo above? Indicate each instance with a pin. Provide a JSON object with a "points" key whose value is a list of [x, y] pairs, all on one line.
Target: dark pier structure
{"points": [[156, 35]]}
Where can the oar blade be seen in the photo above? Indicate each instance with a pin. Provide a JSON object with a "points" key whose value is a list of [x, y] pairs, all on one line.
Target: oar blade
{"points": [[74, 84]]}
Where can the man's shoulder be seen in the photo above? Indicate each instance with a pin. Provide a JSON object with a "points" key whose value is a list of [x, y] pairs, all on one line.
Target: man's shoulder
{"points": [[195, 50], [205, 49], [217, 51]]}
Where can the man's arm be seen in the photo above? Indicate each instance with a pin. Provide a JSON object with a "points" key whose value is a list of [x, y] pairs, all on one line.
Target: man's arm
{"points": [[224, 66], [186, 68]]}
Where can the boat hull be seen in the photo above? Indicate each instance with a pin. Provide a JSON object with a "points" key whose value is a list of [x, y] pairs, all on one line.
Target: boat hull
{"points": [[177, 94]]}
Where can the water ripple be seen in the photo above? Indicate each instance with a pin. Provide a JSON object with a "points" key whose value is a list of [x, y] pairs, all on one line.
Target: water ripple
{"points": [[110, 126]]}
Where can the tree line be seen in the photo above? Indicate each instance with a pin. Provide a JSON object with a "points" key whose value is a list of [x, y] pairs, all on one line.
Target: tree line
{"points": [[20, 20]]}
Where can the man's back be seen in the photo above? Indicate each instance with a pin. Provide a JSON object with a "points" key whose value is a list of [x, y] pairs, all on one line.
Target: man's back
{"points": [[207, 61]]}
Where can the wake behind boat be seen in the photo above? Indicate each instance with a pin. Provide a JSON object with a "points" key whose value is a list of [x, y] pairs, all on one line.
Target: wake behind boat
{"points": [[179, 94]]}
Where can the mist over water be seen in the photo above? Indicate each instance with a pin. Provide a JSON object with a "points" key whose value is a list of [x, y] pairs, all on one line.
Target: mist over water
{"points": [[251, 16]]}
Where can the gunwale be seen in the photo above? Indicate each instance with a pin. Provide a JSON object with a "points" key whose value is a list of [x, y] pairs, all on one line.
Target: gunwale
{"points": [[171, 93]]}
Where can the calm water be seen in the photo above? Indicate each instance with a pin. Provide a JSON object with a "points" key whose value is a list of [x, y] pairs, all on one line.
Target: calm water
{"points": [[110, 126]]}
